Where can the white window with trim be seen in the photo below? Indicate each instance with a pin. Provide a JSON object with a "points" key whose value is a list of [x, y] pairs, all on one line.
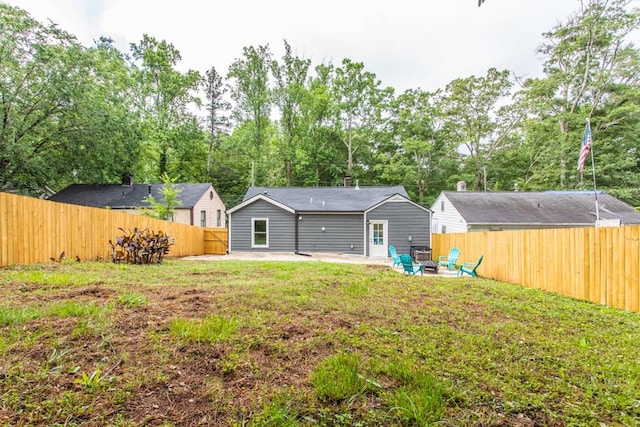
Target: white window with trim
{"points": [[259, 232]]}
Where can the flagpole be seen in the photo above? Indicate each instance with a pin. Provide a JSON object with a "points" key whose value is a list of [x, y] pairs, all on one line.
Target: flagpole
{"points": [[593, 173]]}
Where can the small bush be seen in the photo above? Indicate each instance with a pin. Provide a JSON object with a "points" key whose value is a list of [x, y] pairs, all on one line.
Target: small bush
{"points": [[140, 246]]}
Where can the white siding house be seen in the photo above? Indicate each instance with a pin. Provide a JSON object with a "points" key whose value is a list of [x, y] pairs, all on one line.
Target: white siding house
{"points": [[446, 218], [462, 211]]}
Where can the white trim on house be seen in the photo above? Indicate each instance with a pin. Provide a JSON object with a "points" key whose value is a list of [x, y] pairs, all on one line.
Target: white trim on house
{"points": [[365, 247], [229, 240], [253, 233], [256, 198], [396, 198]]}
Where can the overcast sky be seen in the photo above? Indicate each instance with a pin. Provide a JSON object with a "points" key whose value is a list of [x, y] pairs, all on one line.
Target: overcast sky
{"points": [[406, 43]]}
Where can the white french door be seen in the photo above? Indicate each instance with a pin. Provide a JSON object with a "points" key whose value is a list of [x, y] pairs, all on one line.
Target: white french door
{"points": [[378, 246]]}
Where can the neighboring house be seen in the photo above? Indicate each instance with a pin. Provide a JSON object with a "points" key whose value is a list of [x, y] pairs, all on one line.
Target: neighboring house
{"points": [[351, 220], [199, 204], [461, 211]]}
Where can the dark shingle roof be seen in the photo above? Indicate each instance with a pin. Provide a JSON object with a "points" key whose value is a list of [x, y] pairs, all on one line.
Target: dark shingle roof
{"points": [[548, 207], [327, 199], [126, 196]]}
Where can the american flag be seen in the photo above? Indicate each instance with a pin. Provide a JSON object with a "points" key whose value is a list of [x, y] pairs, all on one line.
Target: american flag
{"points": [[586, 147]]}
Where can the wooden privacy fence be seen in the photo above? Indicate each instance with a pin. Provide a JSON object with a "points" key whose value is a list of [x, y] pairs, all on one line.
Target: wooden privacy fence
{"points": [[34, 231], [216, 241], [596, 264]]}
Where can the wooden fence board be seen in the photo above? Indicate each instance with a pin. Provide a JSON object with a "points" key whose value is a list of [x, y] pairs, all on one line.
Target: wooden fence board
{"points": [[34, 231], [216, 241], [597, 264], [632, 269]]}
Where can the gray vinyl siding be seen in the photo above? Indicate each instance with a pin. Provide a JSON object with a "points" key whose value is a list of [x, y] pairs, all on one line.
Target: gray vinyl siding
{"points": [[343, 233], [281, 228], [404, 219]]}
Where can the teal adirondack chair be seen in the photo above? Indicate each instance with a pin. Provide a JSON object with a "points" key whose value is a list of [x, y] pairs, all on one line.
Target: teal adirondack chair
{"points": [[450, 260], [409, 266], [394, 256], [470, 268]]}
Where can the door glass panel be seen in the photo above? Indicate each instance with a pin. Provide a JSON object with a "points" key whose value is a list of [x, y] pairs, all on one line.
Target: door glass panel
{"points": [[378, 234]]}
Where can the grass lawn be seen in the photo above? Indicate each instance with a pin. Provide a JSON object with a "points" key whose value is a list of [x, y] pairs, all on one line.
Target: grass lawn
{"points": [[305, 343]]}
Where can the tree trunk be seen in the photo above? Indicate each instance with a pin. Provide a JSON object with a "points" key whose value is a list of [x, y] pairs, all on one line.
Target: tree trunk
{"points": [[288, 172], [564, 135]]}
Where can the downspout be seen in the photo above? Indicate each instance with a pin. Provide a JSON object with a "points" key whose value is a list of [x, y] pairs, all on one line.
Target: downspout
{"points": [[229, 234], [297, 220], [364, 237]]}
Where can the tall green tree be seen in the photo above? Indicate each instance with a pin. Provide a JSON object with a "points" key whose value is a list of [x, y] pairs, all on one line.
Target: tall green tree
{"points": [[251, 94], [420, 153], [475, 119], [107, 145], [65, 110], [216, 107], [589, 60], [167, 96], [289, 94], [321, 160], [359, 100]]}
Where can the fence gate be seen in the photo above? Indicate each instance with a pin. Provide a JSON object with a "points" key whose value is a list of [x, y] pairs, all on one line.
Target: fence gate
{"points": [[216, 241]]}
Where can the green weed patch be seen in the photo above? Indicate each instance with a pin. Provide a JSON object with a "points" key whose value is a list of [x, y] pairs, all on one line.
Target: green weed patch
{"points": [[211, 329], [305, 343]]}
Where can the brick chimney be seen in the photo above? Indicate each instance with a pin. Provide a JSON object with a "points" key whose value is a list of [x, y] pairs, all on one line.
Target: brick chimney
{"points": [[127, 180]]}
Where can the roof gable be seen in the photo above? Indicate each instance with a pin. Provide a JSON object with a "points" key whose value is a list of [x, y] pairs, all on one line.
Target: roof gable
{"points": [[395, 199], [324, 199], [260, 197], [545, 207], [127, 196]]}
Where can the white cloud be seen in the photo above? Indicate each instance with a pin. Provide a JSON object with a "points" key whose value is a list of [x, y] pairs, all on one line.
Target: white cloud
{"points": [[407, 43]]}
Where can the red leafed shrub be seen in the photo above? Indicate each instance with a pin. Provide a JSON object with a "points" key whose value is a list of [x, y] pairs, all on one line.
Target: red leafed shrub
{"points": [[140, 246]]}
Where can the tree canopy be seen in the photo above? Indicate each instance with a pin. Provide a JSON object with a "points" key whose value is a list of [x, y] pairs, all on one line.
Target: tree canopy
{"points": [[76, 114]]}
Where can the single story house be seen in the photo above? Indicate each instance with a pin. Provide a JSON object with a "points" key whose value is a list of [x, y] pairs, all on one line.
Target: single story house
{"points": [[462, 211], [199, 204], [350, 220]]}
